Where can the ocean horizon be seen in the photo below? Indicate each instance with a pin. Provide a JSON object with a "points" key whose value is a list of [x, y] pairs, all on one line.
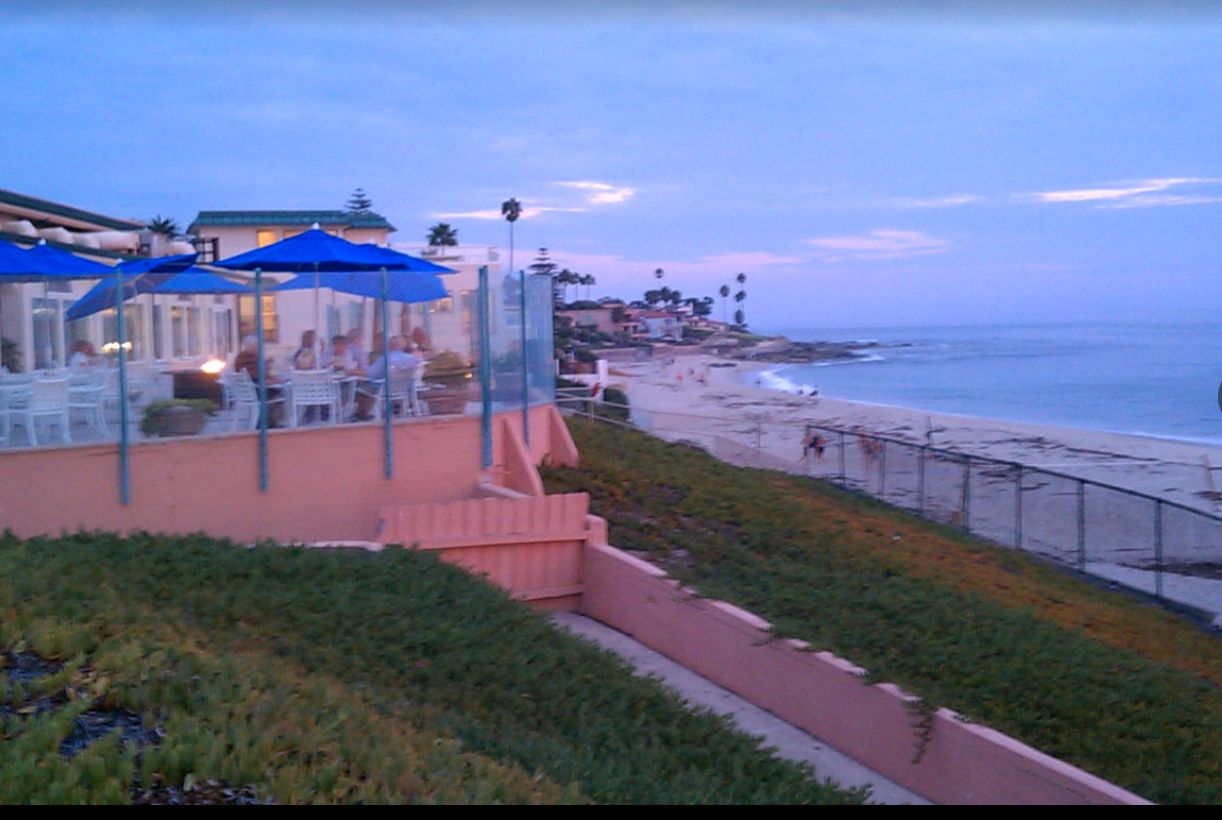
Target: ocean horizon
{"points": [[1157, 380]]}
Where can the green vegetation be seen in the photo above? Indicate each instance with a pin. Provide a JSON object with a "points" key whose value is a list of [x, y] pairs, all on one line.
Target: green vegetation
{"points": [[1125, 690], [158, 418], [320, 676]]}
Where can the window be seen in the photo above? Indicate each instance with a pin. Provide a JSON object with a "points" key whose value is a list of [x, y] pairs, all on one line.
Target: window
{"points": [[264, 237], [246, 318]]}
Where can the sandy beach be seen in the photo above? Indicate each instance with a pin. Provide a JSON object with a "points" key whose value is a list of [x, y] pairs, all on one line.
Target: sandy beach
{"points": [[700, 396], [715, 403]]}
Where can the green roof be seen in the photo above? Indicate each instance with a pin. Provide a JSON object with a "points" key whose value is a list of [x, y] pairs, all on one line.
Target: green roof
{"points": [[228, 219], [68, 212]]}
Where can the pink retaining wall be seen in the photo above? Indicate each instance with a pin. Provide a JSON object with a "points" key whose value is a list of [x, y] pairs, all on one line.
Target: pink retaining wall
{"points": [[325, 483], [529, 545], [826, 696]]}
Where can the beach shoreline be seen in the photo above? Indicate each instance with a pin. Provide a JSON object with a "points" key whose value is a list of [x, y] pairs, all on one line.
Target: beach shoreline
{"points": [[700, 396]]}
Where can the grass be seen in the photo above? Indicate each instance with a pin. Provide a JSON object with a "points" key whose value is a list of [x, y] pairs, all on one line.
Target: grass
{"points": [[1122, 689], [327, 677]]}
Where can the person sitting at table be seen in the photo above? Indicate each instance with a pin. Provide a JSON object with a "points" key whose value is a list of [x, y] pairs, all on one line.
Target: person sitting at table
{"points": [[357, 347], [421, 339], [247, 361], [305, 357], [400, 359], [83, 355], [340, 358]]}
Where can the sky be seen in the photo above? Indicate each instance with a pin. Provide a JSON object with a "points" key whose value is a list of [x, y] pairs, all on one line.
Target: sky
{"points": [[861, 163]]}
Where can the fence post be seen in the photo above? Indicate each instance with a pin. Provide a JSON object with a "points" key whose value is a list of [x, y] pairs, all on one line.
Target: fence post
{"points": [[1158, 548], [1081, 525], [1018, 507], [882, 469], [842, 478], [921, 481], [965, 511]]}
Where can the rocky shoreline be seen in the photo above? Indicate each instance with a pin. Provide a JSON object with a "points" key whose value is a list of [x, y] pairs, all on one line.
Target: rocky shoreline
{"points": [[780, 350]]}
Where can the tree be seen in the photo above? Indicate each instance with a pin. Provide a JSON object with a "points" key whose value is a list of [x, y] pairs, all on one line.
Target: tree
{"points": [[724, 290], [544, 266], [658, 274], [442, 235], [739, 319], [741, 297], [588, 280], [165, 226], [360, 203]]}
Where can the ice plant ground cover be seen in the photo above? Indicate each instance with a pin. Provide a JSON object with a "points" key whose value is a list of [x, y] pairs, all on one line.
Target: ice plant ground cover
{"points": [[285, 675], [1101, 679]]}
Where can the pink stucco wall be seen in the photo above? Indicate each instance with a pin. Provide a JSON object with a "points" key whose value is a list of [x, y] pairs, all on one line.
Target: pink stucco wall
{"points": [[826, 695], [530, 545], [325, 483]]}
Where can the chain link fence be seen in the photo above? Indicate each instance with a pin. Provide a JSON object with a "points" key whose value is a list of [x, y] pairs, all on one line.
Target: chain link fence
{"points": [[1122, 535]]}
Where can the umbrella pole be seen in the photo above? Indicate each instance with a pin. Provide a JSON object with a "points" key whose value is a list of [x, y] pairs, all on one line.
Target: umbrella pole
{"points": [[525, 387], [121, 325], [387, 442], [262, 365], [315, 349]]}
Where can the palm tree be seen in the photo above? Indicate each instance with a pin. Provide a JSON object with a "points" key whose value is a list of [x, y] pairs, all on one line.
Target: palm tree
{"points": [[658, 274], [442, 235], [165, 226], [588, 280], [511, 209], [725, 294], [741, 296]]}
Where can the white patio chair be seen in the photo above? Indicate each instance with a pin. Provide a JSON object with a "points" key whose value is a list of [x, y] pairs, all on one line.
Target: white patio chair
{"points": [[47, 399], [404, 393], [244, 399], [87, 392], [313, 388]]}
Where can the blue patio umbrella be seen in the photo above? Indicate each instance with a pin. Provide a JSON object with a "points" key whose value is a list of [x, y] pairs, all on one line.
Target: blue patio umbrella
{"points": [[317, 252], [44, 263], [191, 280], [401, 285]]}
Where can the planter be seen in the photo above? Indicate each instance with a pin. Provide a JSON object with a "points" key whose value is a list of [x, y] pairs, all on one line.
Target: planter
{"points": [[449, 400], [182, 421]]}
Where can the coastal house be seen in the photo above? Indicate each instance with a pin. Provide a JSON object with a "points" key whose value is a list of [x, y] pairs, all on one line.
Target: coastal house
{"points": [[221, 234], [662, 325], [32, 315], [448, 323]]}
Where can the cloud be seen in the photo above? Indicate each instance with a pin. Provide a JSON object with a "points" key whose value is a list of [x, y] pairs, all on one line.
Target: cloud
{"points": [[600, 193], [937, 202], [528, 212], [878, 244], [594, 194], [1146, 193]]}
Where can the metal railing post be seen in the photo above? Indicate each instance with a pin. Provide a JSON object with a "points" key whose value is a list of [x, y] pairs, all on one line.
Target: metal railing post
{"points": [[485, 371], [842, 476], [882, 469], [1018, 507], [525, 386], [1158, 548], [261, 373], [965, 510], [1081, 525], [388, 447], [125, 491]]}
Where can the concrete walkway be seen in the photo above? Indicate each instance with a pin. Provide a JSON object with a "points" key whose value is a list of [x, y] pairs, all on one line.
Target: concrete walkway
{"points": [[788, 741]]}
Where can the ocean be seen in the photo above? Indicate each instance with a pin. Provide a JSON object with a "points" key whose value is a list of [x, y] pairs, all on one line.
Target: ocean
{"points": [[1153, 380]]}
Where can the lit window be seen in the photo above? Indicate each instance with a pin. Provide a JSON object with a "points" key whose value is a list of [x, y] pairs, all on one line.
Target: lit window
{"points": [[264, 238]]}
